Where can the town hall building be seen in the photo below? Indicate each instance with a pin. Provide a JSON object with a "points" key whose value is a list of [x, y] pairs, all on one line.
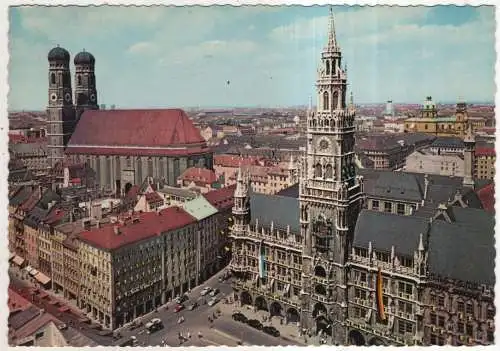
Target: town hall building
{"points": [[317, 256]]}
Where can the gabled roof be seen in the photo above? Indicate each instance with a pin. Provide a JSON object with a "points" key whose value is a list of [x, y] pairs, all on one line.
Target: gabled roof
{"points": [[199, 175], [221, 199], [141, 128], [200, 208], [153, 197], [226, 160], [454, 142], [21, 196], [485, 151], [385, 230], [410, 187], [487, 197], [464, 249], [280, 210]]}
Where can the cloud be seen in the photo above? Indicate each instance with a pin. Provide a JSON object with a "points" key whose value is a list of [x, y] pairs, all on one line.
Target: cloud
{"points": [[362, 22], [142, 47], [180, 56], [213, 49]]}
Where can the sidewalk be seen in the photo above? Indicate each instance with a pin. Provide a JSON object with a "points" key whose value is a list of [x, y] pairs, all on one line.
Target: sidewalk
{"points": [[288, 332]]}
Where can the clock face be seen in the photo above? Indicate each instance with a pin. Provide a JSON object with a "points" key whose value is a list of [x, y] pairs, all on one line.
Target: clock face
{"points": [[323, 145], [67, 97], [92, 97], [53, 97]]}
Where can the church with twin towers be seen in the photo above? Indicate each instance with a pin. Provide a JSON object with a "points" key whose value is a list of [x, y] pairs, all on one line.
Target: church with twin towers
{"points": [[63, 115]]}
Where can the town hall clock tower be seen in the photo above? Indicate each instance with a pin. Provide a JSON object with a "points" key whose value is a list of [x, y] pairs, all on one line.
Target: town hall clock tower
{"points": [[331, 196]]}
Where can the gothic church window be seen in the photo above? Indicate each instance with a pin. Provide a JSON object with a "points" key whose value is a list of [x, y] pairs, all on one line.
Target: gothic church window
{"points": [[329, 172], [326, 101], [79, 79], [335, 100], [327, 67], [52, 78], [318, 171], [66, 80]]}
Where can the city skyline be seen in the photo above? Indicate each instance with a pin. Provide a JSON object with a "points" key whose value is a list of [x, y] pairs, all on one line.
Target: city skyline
{"points": [[252, 56]]}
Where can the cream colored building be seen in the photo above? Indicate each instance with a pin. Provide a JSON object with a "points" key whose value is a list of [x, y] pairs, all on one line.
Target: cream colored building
{"points": [[431, 163], [135, 264]]}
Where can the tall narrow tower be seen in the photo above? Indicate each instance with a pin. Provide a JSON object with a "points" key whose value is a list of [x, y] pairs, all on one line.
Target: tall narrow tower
{"points": [[85, 85], [330, 196], [469, 159], [60, 110]]}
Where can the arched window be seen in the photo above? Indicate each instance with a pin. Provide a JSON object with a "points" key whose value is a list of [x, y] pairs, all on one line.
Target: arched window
{"points": [[328, 67], [326, 101], [66, 79], [79, 79], [335, 100], [329, 172], [318, 170], [327, 122], [52, 78]]}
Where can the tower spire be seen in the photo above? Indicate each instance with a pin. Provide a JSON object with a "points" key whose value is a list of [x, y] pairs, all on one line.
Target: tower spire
{"points": [[332, 38]]}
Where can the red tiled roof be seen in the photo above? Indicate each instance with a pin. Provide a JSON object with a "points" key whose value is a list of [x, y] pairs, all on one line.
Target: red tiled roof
{"points": [[149, 225], [485, 151], [235, 161], [55, 215], [16, 301], [146, 128], [222, 198], [487, 197], [153, 197], [31, 201], [199, 175], [143, 151]]}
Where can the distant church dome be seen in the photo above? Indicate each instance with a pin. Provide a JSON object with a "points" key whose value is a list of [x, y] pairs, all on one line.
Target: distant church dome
{"points": [[84, 58], [58, 54]]}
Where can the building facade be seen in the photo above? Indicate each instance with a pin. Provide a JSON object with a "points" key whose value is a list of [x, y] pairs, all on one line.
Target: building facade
{"points": [[298, 269], [432, 163], [391, 274], [484, 162], [429, 122]]}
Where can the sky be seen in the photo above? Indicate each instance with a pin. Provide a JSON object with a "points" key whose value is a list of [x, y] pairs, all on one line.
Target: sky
{"points": [[260, 56]]}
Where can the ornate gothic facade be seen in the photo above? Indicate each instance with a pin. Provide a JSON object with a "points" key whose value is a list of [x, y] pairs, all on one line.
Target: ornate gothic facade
{"points": [[311, 254]]}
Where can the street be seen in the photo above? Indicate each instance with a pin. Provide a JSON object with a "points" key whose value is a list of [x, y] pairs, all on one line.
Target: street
{"points": [[222, 331]]}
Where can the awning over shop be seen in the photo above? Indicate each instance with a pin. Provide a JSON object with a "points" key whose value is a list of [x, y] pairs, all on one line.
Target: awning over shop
{"points": [[42, 278], [18, 260]]}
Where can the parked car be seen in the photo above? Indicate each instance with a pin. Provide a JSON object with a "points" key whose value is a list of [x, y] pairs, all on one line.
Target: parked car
{"points": [[154, 325], [214, 292], [240, 317], [213, 301], [179, 307], [271, 331], [180, 299], [205, 290], [192, 306], [255, 324]]}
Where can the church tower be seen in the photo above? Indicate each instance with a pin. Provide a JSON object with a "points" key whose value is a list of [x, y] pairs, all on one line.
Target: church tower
{"points": [[331, 196], [241, 208], [469, 159], [85, 85], [60, 111]]}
